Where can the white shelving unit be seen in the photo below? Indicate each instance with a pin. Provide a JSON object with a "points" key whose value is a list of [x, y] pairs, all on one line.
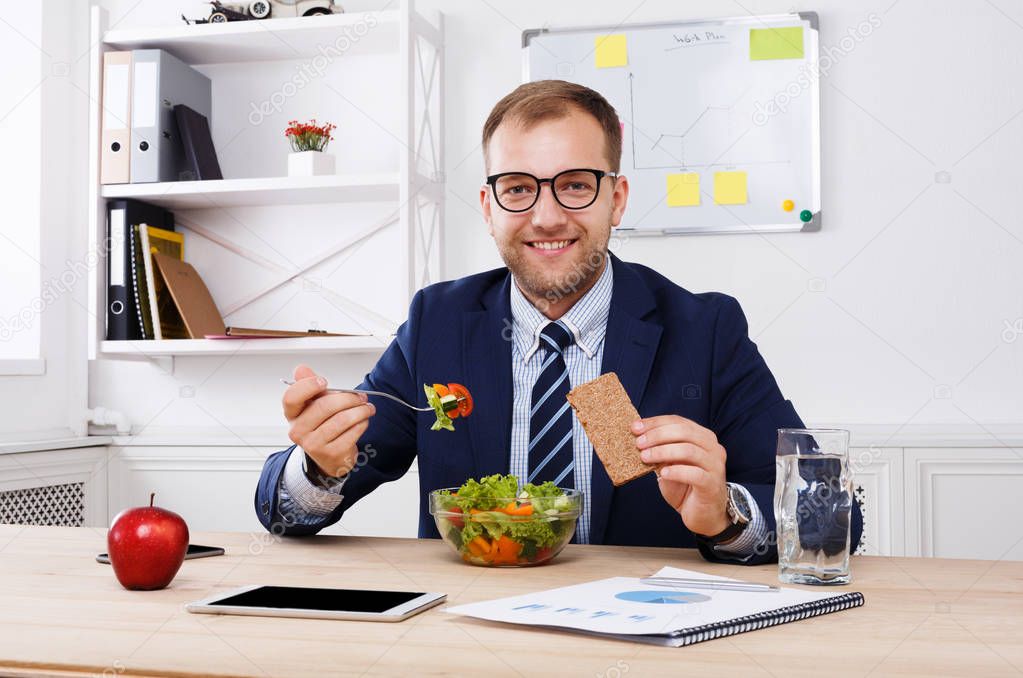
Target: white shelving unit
{"points": [[261, 191], [273, 40], [200, 347], [415, 189]]}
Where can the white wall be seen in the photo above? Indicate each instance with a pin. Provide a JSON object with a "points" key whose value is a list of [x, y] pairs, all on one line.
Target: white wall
{"points": [[918, 282], [919, 277]]}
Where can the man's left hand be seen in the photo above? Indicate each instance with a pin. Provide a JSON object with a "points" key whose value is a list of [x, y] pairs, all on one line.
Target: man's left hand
{"points": [[691, 473]]}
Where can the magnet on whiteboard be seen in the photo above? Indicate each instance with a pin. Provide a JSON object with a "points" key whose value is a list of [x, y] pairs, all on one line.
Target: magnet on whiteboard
{"points": [[788, 205], [805, 215]]}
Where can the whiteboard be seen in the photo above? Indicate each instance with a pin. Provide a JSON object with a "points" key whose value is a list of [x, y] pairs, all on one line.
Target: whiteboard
{"points": [[720, 118]]}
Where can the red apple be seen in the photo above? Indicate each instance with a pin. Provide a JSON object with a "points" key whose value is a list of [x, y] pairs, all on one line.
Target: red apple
{"points": [[147, 545]]}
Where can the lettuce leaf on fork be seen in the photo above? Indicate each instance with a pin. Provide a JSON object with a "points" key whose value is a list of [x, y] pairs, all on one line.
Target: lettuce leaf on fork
{"points": [[433, 400]]}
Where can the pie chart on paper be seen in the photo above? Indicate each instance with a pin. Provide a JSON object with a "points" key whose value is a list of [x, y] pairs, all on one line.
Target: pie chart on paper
{"points": [[662, 597]]}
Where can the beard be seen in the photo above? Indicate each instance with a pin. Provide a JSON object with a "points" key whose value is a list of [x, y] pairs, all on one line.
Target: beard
{"points": [[570, 276]]}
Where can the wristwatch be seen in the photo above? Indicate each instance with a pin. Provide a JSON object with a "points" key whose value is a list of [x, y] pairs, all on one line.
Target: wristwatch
{"points": [[317, 477], [738, 513]]}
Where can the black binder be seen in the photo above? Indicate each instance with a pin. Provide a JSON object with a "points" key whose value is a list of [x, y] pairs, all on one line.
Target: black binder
{"points": [[200, 155], [122, 214]]}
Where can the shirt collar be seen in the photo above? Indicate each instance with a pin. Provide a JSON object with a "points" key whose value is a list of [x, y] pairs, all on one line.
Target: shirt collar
{"points": [[587, 319]]}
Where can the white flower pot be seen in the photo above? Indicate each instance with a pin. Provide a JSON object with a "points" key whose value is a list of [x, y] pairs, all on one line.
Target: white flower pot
{"points": [[310, 164]]}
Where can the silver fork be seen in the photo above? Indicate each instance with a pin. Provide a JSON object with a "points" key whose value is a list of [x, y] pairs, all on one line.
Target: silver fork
{"points": [[381, 394]]}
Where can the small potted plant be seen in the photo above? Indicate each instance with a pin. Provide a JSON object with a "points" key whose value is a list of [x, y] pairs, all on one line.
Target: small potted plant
{"points": [[308, 141]]}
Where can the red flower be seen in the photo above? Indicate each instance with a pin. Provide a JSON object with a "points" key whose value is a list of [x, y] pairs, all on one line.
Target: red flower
{"points": [[309, 136]]}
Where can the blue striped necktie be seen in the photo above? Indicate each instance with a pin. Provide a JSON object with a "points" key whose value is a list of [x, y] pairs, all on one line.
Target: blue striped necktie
{"points": [[550, 417]]}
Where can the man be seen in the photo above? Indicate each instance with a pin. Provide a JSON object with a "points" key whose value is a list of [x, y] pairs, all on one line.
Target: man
{"points": [[563, 312]]}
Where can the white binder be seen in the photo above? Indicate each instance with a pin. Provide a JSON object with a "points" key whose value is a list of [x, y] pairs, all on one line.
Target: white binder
{"points": [[115, 158], [159, 82]]}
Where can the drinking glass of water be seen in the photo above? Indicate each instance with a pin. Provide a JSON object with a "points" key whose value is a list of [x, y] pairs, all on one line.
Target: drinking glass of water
{"points": [[813, 506]]}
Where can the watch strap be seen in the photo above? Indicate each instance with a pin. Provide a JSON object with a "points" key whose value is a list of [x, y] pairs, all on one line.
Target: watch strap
{"points": [[734, 529], [728, 534]]}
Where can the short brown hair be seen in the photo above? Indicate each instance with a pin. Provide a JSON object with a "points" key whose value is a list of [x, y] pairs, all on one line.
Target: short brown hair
{"points": [[543, 100]]}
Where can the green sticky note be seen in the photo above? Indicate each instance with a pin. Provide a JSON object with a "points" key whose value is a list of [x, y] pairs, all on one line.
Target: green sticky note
{"points": [[684, 189], [783, 42], [730, 188], [611, 50]]}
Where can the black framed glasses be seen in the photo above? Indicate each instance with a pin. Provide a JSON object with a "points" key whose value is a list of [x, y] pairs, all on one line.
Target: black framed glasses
{"points": [[573, 189]]}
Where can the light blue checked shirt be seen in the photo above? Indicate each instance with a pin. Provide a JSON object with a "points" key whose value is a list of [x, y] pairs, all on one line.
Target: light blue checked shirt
{"points": [[587, 321], [305, 503]]}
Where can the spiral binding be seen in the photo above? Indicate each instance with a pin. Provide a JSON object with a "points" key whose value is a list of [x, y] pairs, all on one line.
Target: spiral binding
{"points": [[762, 620]]}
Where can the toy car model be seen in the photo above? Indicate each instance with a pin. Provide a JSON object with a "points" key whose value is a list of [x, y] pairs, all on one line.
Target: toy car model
{"points": [[220, 13], [262, 9]]}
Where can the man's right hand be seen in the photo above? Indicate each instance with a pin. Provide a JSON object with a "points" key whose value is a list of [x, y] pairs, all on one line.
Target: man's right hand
{"points": [[326, 425]]}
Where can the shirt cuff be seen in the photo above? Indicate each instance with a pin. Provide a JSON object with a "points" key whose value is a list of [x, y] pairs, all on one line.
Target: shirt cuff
{"points": [[312, 499], [745, 545]]}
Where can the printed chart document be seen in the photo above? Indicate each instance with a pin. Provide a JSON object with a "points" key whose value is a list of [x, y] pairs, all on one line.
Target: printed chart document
{"points": [[628, 609]]}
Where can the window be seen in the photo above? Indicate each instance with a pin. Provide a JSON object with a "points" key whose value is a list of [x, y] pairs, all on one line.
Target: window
{"points": [[21, 75]]}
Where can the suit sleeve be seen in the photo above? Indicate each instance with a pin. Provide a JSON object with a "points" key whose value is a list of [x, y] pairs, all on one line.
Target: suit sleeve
{"points": [[386, 449], [747, 409]]}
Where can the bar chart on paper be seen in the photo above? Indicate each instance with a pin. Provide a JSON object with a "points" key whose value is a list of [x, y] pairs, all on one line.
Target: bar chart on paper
{"points": [[720, 119]]}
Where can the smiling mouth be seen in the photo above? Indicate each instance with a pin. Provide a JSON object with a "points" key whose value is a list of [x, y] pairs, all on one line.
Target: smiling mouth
{"points": [[550, 244]]}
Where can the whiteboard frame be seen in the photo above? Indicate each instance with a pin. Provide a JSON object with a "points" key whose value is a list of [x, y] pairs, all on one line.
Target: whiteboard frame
{"points": [[813, 20]]}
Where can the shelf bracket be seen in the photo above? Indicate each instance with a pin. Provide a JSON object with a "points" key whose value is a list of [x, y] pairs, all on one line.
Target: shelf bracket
{"points": [[163, 363], [287, 275]]}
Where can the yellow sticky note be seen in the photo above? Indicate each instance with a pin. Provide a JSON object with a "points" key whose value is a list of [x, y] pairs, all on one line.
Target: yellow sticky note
{"points": [[783, 42], [683, 189], [611, 50], [730, 188]]}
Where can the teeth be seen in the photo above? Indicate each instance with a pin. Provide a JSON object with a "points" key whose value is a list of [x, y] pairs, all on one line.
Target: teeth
{"points": [[554, 245]]}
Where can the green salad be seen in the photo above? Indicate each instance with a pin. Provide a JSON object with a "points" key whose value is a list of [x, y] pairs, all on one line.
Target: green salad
{"points": [[492, 522]]}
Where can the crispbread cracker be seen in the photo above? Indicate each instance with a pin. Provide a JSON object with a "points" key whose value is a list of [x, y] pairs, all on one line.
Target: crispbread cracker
{"points": [[606, 413]]}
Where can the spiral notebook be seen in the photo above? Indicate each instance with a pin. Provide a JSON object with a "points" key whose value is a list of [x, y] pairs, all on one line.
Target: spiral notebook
{"points": [[627, 609]]}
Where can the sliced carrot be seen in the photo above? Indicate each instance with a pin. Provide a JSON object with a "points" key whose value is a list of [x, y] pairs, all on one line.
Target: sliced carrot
{"points": [[513, 509], [507, 549], [524, 510]]}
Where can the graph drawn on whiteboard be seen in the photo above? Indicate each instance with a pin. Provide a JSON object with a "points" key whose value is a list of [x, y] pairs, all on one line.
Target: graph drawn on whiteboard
{"points": [[721, 118]]}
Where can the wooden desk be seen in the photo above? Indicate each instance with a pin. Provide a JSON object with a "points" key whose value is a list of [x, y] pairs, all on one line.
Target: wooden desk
{"points": [[62, 613]]}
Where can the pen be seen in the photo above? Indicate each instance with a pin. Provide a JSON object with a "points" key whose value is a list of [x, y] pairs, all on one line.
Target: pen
{"points": [[681, 582]]}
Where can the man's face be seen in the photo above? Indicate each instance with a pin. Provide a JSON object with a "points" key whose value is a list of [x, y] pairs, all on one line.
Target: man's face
{"points": [[554, 253]]}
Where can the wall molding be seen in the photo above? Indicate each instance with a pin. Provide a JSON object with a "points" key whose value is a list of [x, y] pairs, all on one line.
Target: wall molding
{"points": [[880, 473], [923, 467]]}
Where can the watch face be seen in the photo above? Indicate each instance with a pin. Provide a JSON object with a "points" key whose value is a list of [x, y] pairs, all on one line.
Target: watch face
{"points": [[738, 508]]}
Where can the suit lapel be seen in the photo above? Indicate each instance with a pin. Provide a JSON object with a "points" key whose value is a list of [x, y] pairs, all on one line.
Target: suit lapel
{"points": [[630, 346], [486, 336]]}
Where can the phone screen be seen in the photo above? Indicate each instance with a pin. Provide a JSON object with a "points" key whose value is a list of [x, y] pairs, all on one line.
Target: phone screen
{"points": [[339, 600]]}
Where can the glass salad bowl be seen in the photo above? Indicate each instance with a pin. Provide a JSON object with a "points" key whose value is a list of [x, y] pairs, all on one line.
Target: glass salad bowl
{"points": [[492, 524]]}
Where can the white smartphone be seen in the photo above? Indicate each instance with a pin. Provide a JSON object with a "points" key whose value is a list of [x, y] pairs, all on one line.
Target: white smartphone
{"points": [[317, 603]]}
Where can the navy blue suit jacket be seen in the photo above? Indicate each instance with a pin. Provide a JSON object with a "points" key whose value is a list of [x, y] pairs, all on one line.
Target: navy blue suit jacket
{"points": [[675, 352]]}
